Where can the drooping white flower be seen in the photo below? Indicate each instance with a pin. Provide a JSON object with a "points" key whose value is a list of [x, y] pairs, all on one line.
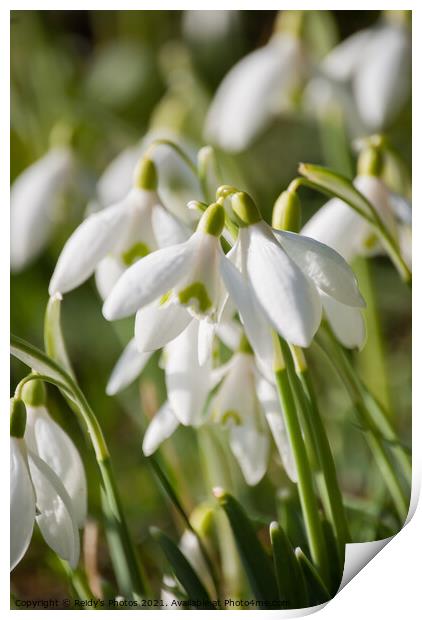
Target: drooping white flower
{"points": [[47, 484], [112, 239], [245, 403], [368, 75], [254, 91], [187, 274], [287, 273], [33, 199]]}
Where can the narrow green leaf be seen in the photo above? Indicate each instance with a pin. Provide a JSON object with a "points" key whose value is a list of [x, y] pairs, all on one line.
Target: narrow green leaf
{"points": [[255, 560], [53, 338], [290, 516], [317, 590], [183, 571], [290, 580], [37, 360], [334, 564]]}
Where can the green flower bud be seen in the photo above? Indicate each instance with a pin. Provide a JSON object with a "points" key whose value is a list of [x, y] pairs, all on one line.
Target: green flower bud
{"points": [[212, 220], [370, 162], [17, 418], [145, 175], [202, 519], [245, 209], [225, 190], [287, 212], [34, 393], [291, 22]]}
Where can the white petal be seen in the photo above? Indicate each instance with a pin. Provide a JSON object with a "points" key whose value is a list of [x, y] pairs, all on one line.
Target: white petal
{"points": [[128, 367], [116, 180], [290, 300], [383, 81], [108, 271], [248, 96], [268, 398], [188, 383], [237, 394], [344, 60], [22, 504], [56, 519], [256, 327], [168, 229], [347, 323], [206, 332], [90, 243], [339, 227], [251, 449], [161, 427], [323, 265], [230, 333], [45, 438], [156, 325], [33, 198], [375, 190], [149, 278]]}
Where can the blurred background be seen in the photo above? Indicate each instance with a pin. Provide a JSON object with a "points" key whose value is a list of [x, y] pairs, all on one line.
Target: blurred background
{"points": [[111, 77]]}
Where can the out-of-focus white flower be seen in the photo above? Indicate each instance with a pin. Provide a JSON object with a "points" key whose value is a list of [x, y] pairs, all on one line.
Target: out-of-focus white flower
{"points": [[254, 91], [287, 274], [47, 485], [33, 199], [368, 75], [113, 238]]}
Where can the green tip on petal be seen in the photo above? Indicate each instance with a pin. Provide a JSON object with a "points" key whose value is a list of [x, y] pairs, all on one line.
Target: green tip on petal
{"points": [[212, 221], [34, 393], [287, 212], [145, 175], [245, 209], [17, 418], [370, 162], [134, 253], [196, 292]]}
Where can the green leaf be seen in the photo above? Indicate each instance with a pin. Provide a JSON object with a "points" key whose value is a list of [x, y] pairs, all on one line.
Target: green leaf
{"points": [[334, 564], [338, 186], [290, 580], [255, 560], [183, 570], [53, 338], [317, 590]]}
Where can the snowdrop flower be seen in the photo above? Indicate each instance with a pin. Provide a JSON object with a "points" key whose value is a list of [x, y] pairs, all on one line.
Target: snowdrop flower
{"points": [[374, 67], [288, 275], [110, 240], [184, 279], [244, 403], [33, 198], [47, 485], [255, 90]]}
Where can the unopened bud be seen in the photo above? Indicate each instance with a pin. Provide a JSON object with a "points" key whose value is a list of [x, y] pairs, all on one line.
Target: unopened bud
{"points": [[287, 212]]}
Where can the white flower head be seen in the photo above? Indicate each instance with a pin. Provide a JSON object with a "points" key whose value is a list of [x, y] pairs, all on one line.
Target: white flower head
{"points": [[47, 485], [33, 198], [254, 91], [113, 238], [287, 274]]}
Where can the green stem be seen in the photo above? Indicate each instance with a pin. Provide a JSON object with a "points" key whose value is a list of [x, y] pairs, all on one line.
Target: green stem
{"points": [[376, 445], [306, 489], [178, 150], [335, 508]]}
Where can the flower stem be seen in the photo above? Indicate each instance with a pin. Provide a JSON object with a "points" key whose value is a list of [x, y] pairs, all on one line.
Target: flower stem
{"points": [[306, 489], [332, 497], [372, 435]]}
